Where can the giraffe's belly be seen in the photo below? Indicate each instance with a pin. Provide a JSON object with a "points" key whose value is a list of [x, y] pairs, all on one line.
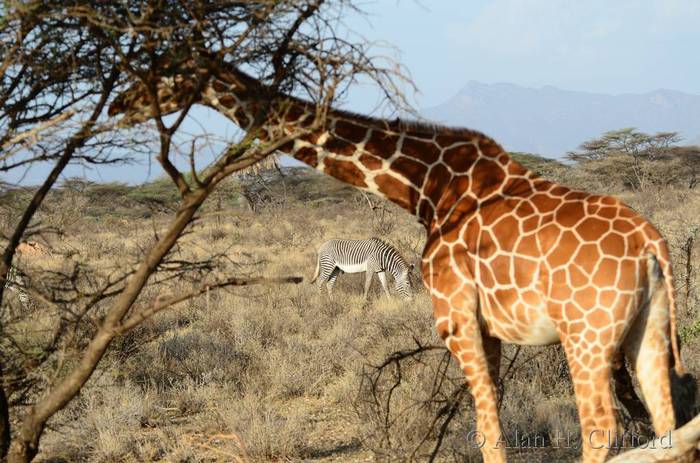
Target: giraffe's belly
{"points": [[517, 322]]}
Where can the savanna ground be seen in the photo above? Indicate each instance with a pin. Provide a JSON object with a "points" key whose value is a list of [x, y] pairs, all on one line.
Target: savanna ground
{"points": [[280, 373]]}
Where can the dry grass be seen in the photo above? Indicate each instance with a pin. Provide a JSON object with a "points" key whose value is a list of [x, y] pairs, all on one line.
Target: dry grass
{"points": [[279, 373]]}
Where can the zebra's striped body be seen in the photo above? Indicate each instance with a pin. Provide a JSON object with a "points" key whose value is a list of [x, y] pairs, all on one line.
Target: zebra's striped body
{"points": [[15, 282], [372, 256]]}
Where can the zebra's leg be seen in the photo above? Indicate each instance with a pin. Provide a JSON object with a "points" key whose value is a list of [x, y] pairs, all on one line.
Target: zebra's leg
{"points": [[382, 280], [331, 281], [368, 282], [324, 275], [15, 283]]}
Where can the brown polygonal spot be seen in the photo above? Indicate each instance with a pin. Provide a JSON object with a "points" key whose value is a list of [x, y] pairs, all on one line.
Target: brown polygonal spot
{"points": [[487, 244], [559, 190], [456, 188], [489, 148], [370, 162], [460, 158], [586, 297], [381, 144], [608, 297], [426, 151], [544, 203], [413, 171], [571, 312], [219, 86], [531, 298], [628, 274], [608, 212], [487, 278], [402, 194], [560, 291], [577, 277], [450, 228], [570, 213], [564, 251], [339, 147], [462, 260], [487, 176], [227, 101], [506, 232], [344, 171], [425, 211], [626, 213], [623, 226], [613, 244], [501, 265], [592, 228], [531, 224], [525, 271], [506, 297], [524, 209], [349, 131], [587, 257], [436, 182], [548, 235], [591, 209], [307, 155], [515, 168], [576, 196], [598, 319], [445, 140], [527, 246]]}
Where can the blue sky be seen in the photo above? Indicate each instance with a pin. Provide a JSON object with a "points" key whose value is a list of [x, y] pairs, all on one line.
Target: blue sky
{"points": [[621, 46]]}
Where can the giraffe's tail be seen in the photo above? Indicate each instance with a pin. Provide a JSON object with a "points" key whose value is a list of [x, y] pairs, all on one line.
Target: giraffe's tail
{"points": [[683, 385]]}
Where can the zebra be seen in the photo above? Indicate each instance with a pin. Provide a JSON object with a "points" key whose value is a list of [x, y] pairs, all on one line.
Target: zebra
{"points": [[372, 256], [15, 282]]}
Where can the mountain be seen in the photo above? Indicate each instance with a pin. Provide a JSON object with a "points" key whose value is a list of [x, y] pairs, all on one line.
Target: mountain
{"points": [[551, 121]]}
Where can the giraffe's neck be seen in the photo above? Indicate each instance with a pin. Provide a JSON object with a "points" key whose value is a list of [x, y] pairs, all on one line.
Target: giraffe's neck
{"points": [[420, 167]]}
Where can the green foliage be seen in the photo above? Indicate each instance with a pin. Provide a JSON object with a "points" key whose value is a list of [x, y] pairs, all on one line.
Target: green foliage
{"points": [[689, 332]]}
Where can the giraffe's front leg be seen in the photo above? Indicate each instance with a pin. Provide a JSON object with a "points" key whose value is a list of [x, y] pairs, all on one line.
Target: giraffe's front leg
{"points": [[457, 323]]}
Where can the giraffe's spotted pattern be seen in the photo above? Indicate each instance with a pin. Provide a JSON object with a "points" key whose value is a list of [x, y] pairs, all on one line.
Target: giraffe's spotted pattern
{"points": [[509, 256]]}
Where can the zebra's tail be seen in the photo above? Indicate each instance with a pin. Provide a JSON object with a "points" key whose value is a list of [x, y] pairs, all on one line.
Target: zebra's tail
{"points": [[318, 270]]}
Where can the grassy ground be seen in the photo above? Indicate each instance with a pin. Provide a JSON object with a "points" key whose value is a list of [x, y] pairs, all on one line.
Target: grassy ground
{"points": [[283, 374]]}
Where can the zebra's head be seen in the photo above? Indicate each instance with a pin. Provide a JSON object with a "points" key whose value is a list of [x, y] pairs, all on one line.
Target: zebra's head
{"points": [[402, 280]]}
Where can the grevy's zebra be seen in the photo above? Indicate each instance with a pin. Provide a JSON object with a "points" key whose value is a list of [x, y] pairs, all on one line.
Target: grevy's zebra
{"points": [[15, 282], [355, 256]]}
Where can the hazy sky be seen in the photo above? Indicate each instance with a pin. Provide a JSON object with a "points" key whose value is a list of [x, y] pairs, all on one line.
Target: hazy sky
{"points": [[594, 45], [621, 46]]}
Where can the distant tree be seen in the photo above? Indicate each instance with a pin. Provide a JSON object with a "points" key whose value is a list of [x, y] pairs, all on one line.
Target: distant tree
{"points": [[628, 142], [629, 153]]}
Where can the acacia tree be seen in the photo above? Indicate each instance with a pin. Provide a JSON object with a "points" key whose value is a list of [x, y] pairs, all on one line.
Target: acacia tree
{"points": [[633, 153], [63, 62]]}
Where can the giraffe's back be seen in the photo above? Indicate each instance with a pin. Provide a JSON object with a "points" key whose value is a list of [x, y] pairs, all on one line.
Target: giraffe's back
{"points": [[552, 254]]}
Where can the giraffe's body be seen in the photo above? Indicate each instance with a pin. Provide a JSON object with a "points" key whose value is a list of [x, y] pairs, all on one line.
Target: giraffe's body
{"points": [[509, 256]]}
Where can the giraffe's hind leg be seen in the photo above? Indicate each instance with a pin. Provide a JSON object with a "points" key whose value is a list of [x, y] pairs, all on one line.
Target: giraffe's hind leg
{"points": [[591, 374], [647, 347], [457, 323], [625, 393]]}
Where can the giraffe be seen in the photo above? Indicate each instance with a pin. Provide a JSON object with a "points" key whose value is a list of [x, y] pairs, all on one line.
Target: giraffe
{"points": [[509, 256]]}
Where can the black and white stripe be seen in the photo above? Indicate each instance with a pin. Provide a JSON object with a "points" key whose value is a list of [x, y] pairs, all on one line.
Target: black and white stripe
{"points": [[372, 256], [15, 282]]}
